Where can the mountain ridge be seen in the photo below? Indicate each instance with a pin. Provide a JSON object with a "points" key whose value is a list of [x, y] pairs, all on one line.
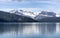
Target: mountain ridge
{"points": [[41, 17]]}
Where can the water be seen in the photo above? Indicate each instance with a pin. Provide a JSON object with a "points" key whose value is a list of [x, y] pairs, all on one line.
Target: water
{"points": [[30, 30]]}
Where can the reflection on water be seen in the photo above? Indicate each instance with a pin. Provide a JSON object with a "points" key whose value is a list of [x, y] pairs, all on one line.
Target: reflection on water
{"points": [[22, 30]]}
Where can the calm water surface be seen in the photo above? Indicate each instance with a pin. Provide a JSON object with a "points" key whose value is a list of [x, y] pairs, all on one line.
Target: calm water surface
{"points": [[30, 30]]}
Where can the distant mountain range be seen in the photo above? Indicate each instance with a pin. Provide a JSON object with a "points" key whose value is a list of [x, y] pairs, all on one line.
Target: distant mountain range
{"points": [[45, 14], [28, 16], [11, 17], [23, 13]]}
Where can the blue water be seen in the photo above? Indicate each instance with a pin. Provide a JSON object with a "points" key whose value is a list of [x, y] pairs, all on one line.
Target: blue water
{"points": [[30, 30]]}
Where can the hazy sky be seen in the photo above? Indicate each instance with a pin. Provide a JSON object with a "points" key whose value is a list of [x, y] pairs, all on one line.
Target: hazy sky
{"points": [[32, 5]]}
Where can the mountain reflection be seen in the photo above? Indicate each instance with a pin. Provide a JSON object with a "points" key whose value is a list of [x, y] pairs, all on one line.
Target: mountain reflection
{"points": [[29, 28]]}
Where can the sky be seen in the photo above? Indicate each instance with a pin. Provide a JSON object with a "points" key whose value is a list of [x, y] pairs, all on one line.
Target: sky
{"points": [[31, 5]]}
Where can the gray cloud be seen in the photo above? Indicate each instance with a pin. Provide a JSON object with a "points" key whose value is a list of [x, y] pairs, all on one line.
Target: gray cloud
{"points": [[24, 1], [58, 1], [32, 0]]}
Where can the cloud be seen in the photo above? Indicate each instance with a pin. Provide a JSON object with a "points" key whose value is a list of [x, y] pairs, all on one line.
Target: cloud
{"points": [[37, 0], [5, 0], [6, 9], [35, 10], [29, 1], [41, 4]]}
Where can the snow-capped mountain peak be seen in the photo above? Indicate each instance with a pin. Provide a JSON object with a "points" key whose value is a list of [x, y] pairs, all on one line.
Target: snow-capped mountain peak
{"points": [[23, 13], [45, 14]]}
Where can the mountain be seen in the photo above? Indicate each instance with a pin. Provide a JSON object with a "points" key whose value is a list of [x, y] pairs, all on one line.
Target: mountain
{"points": [[45, 14], [12, 17], [16, 12], [50, 19], [27, 16], [23, 13]]}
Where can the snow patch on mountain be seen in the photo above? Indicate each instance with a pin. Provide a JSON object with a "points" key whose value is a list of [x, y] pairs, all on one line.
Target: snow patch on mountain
{"points": [[45, 14], [24, 13]]}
